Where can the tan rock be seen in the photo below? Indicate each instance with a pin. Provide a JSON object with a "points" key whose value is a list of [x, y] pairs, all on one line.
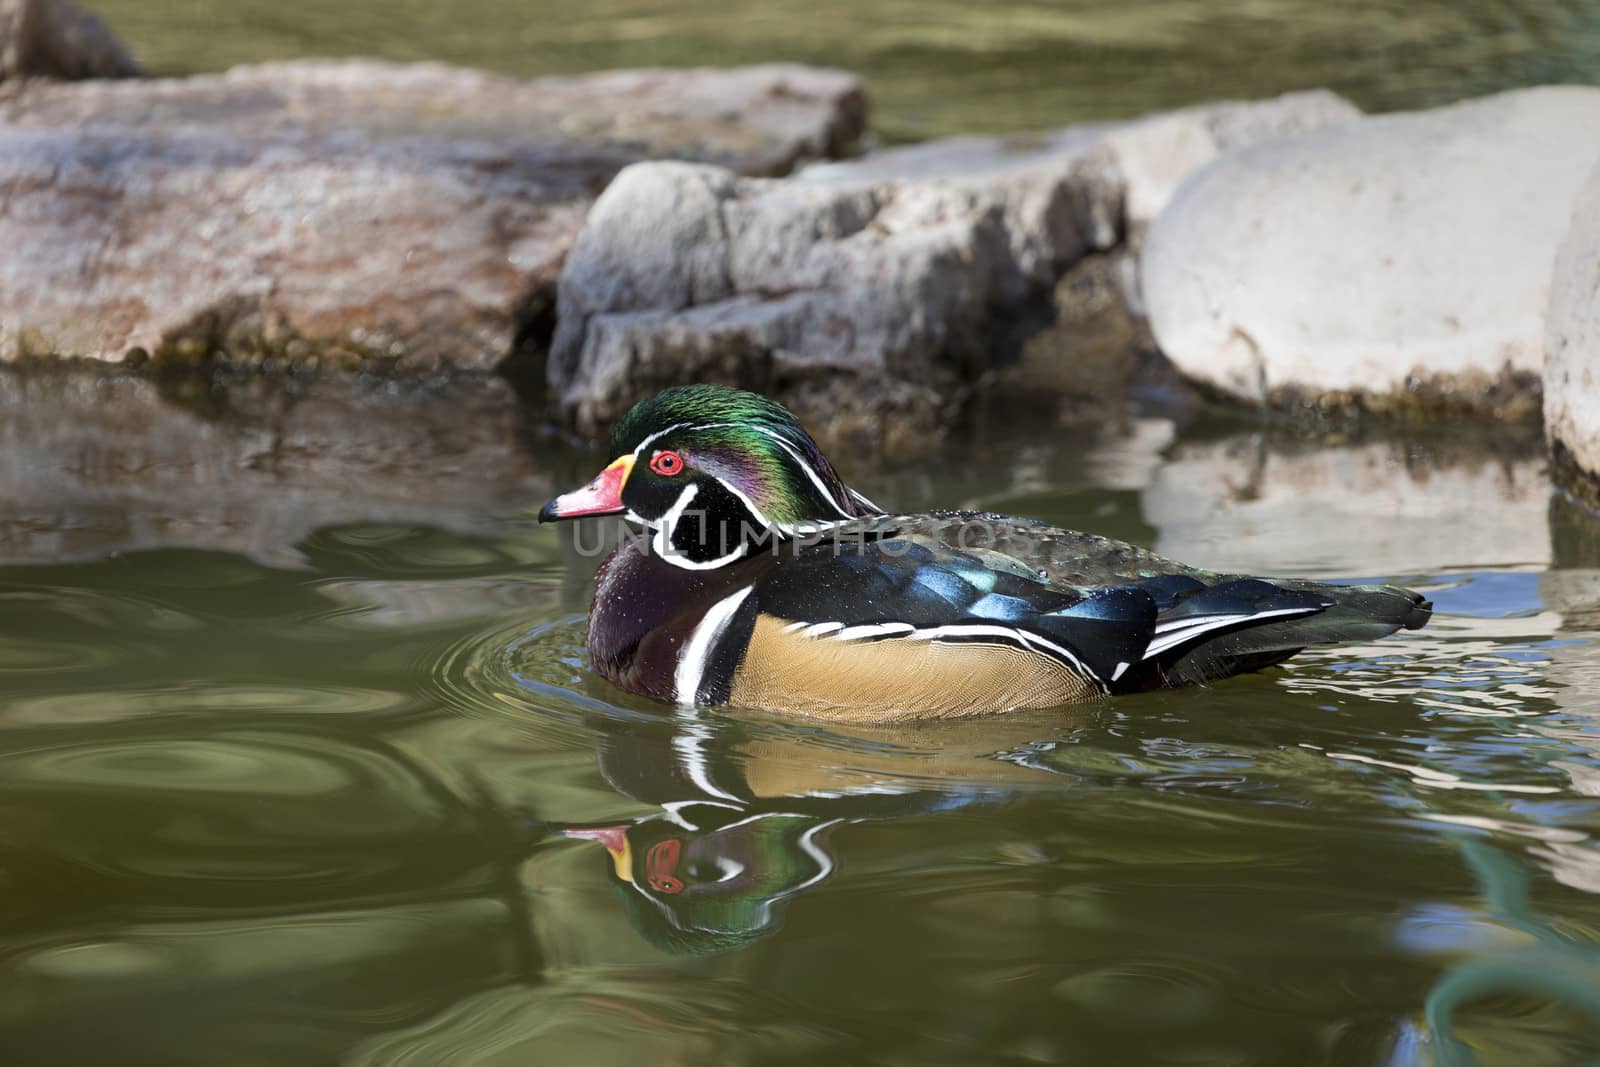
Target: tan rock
{"points": [[58, 39], [357, 212]]}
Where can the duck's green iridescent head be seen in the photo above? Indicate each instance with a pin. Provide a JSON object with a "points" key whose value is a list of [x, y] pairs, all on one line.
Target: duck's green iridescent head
{"points": [[714, 471]]}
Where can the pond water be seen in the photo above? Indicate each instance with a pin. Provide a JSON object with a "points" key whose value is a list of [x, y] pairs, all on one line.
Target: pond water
{"points": [[934, 67], [343, 793]]}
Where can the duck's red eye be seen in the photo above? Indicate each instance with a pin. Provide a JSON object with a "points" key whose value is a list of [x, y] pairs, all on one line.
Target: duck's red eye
{"points": [[661, 865], [666, 464]]}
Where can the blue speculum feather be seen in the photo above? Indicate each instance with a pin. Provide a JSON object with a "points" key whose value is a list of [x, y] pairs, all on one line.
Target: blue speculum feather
{"points": [[1005, 608], [979, 578], [950, 586]]}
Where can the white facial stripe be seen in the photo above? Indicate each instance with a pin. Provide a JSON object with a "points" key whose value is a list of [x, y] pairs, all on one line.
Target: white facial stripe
{"points": [[673, 809], [657, 436], [864, 502], [669, 521], [1179, 631], [681, 505], [812, 527], [680, 560], [667, 524], [808, 844], [751, 504], [811, 473], [697, 650], [662, 540], [824, 862], [727, 868]]}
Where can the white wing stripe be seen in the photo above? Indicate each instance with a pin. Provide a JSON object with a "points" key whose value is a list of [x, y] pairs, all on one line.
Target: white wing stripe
{"points": [[1179, 631], [906, 631], [821, 629], [880, 629], [1189, 622]]}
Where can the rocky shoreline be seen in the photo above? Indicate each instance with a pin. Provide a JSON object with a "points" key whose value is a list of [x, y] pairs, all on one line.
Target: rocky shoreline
{"points": [[595, 238]]}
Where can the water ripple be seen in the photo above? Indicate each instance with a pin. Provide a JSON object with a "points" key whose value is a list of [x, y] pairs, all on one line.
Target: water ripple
{"points": [[532, 673]]}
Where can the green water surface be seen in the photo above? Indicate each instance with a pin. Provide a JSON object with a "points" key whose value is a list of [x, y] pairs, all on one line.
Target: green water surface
{"points": [[934, 67], [345, 799], [301, 762]]}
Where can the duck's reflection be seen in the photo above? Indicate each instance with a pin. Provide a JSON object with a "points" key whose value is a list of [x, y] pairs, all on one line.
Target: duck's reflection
{"points": [[745, 815], [706, 878]]}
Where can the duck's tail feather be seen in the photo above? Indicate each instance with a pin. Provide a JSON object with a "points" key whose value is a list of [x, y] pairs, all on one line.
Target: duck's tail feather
{"points": [[1387, 606], [1246, 624]]}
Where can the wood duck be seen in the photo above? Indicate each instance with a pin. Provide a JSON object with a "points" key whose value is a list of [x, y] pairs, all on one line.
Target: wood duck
{"points": [[763, 580]]}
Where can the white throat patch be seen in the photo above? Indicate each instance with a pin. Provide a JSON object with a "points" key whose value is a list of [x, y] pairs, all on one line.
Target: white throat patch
{"points": [[668, 524]]}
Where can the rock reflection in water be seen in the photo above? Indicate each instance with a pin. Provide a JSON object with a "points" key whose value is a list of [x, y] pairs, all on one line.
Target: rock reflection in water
{"points": [[96, 463], [1572, 588], [1276, 506]]}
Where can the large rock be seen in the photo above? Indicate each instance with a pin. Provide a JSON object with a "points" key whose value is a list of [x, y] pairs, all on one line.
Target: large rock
{"points": [[1572, 350], [1402, 258], [58, 39], [759, 120], [355, 211], [1142, 161], [899, 271]]}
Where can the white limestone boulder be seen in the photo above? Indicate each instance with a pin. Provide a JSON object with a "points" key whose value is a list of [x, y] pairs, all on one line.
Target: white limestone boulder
{"points": [[1396, 254], [1572, 349]]}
